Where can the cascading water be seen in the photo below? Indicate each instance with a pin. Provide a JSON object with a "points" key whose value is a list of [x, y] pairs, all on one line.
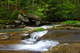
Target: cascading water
{"points": [[32, 44], [34, 37]]}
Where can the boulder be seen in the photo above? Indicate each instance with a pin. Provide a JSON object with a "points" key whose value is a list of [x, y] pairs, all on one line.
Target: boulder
{"points": [[17, 21], [29, 19], [35, 17], [22, 18], [30, 28]]}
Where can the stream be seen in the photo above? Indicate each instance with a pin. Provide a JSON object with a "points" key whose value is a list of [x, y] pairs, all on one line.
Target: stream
{"points": [[32, 43], [10, 30]]}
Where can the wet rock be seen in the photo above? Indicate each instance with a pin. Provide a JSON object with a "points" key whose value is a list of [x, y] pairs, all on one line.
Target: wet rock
{"points": [[57, 34], [30, 28], [25, 37], [65, 44], [4, 37]]}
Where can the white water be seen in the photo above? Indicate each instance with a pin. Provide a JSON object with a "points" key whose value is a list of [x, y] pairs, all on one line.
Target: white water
{"points": [[49, 26], [45, 27], [25, 34], [32, 44]]}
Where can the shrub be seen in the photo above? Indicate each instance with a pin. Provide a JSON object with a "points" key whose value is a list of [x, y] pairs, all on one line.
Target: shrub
{"points": [[39, 29]]}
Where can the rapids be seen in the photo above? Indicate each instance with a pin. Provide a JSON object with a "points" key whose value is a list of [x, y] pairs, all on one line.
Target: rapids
{"points": [[32, 44]]}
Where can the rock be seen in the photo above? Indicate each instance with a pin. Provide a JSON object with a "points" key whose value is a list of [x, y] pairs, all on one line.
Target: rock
{"points": [[2, 26], [65, 44], [8, 26], [30, 28], [69, 28], [37, 22], [22, 18], [4, 37], [57, 34], [21, 26], [30, 19], [33, 17], [17, 21]]}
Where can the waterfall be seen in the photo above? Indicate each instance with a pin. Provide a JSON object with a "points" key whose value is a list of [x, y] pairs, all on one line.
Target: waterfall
{"points": [[34, 37]]}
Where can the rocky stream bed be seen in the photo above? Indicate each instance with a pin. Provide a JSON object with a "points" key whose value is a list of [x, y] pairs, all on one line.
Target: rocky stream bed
{"points": [[66, 39]]}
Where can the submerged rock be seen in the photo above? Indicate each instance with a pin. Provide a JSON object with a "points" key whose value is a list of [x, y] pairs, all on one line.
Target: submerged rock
{"points": [[57, 34], [30, 28], [4, 37]]}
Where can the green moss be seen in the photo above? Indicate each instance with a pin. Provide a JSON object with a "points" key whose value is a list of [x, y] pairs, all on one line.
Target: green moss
{"points": [[1, 21], [53, 26], [24, 30], [39, 29], [59, 28], [69, 22]]}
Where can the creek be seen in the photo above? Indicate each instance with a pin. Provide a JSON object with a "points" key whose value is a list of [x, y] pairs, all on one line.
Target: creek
{"points": [[32, 43]]}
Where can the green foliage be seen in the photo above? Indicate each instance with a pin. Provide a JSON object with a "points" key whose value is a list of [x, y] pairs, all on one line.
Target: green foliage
{"points": [[39, 29], [53, 26], [1, 21], [69, 22], [37, 11], [23, 30], [59, 28], [72, 23], [14, 14], [52, 10], [6, 21]]}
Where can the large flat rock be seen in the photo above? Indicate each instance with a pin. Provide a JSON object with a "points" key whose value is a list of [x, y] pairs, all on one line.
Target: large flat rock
{"points": [[63, 35]]}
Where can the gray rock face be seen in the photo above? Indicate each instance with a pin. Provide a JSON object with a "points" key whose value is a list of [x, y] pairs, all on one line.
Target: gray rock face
{"points": [[22, 18], [17, 21], [35, 17], [31, 19]]}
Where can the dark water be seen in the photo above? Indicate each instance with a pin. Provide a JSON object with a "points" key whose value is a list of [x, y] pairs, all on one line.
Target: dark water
{"points": [[10, 30], [74, 38]]}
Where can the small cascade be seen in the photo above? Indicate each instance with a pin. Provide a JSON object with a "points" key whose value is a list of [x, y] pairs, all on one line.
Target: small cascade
{"points": [[45, 27], [32, 44], [34, 37]]}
